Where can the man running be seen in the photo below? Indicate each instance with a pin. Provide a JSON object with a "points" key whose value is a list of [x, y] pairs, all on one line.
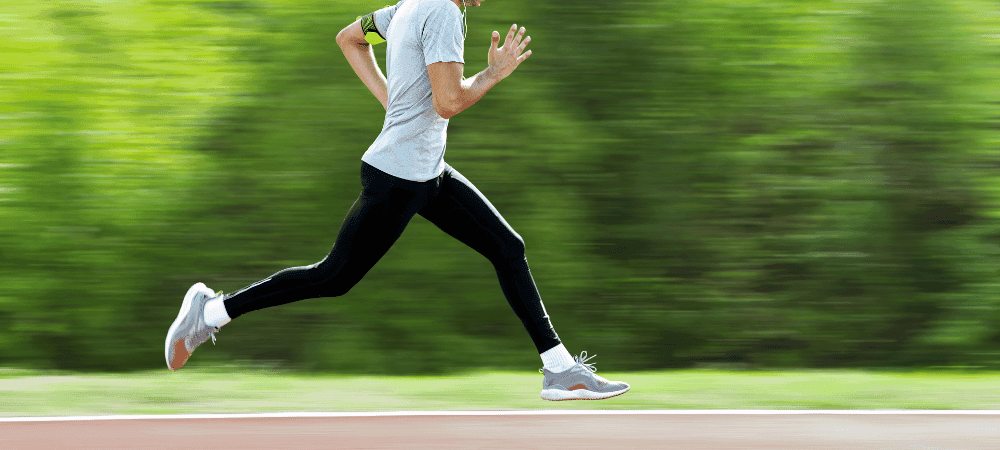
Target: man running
{"points": [[403, 173]]}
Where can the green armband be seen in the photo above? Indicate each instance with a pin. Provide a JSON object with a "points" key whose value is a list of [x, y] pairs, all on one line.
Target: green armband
{"points": [[372, 36]]}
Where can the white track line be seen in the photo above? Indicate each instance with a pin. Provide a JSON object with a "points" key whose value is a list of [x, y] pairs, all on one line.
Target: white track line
{"points": [[679, 412]]}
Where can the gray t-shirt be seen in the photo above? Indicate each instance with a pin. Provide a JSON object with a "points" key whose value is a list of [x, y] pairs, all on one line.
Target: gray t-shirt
{"points": [[418, 33]]}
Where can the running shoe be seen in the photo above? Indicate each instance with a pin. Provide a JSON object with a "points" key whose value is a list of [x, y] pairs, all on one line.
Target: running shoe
{"points": [[189, 330], [579, 383]]}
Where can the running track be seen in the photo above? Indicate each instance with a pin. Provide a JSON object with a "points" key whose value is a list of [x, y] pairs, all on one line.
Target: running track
{"points": [[640, 430]]}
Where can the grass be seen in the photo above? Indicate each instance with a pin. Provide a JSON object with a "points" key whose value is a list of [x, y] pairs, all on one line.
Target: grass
{"points": [[247, 390]]}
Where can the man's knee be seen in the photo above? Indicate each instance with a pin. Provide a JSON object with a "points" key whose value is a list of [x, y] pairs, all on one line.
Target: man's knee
{"points": [[332, 279], [334, 288], [336, 284], [512, 248]]}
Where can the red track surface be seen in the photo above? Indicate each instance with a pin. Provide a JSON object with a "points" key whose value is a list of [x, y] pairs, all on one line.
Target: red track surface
{"points": [[692, 432]]}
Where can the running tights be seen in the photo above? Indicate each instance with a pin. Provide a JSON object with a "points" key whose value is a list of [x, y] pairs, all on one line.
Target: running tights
{"points": [[378, 217]]}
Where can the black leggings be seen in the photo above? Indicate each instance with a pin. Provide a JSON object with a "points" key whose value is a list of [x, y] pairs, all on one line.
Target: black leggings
{"points": [[376, 220]]}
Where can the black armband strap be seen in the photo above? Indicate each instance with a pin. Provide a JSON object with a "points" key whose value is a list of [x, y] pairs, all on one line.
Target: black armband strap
{"points": [[371, 32]]}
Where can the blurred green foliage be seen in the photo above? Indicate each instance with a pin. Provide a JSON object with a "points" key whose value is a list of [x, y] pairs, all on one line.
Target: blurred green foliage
{"points": [[775, 184]]}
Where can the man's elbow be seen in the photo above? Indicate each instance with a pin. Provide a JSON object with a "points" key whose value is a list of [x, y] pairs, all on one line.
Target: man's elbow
{"points": [[447, 108], [347, 38], [342, 38], [445, 113]]}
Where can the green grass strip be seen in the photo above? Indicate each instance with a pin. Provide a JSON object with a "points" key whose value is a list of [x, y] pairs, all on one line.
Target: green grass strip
{"points": [[252, 390]]}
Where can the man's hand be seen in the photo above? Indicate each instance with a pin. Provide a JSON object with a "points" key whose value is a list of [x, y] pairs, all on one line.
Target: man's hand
{"points": [[504, 60]]}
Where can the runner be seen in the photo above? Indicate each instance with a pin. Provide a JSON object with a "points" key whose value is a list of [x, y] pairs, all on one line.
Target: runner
{"points": [[403, 173]]}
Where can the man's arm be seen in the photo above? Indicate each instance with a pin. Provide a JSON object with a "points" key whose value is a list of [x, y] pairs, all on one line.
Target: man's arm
{"points": [[453, 95], [362, 58]]}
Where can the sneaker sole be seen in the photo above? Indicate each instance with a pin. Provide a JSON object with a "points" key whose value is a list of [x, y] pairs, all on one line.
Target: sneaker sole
{"points": [[181, 354], [557, 395]]}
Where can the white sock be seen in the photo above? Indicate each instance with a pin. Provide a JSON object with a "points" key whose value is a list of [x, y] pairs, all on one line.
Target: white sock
{"points": [[557, 359], [215, 312]]}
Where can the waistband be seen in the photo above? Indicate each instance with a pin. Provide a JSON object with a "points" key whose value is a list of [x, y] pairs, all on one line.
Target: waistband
{"points": [[372, 174]]}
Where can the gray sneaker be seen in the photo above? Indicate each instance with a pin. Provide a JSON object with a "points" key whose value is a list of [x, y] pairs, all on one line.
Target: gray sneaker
{"points": [[189, 330], [580, 383]]}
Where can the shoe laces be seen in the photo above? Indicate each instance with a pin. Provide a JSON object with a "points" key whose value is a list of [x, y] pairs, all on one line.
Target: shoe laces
{"points": [[203, 335], [211, 330], [582, 359]]}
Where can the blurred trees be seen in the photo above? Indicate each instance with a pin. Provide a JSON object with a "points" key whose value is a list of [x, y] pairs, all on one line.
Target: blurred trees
{"points": [[778, 184]]}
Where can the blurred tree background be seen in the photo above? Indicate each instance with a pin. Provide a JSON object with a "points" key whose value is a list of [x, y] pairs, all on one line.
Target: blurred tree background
{"points": [[766, 183]]}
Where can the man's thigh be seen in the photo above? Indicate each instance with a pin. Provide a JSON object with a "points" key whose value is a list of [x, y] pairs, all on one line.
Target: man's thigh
{"points": [[466, 214]]}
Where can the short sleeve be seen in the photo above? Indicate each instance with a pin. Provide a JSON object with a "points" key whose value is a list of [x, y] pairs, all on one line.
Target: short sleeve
{"points": [[441, 35], [383, 17]]}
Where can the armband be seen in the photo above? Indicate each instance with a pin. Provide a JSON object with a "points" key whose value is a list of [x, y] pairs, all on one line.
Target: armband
{"points": [[372, 36]]}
